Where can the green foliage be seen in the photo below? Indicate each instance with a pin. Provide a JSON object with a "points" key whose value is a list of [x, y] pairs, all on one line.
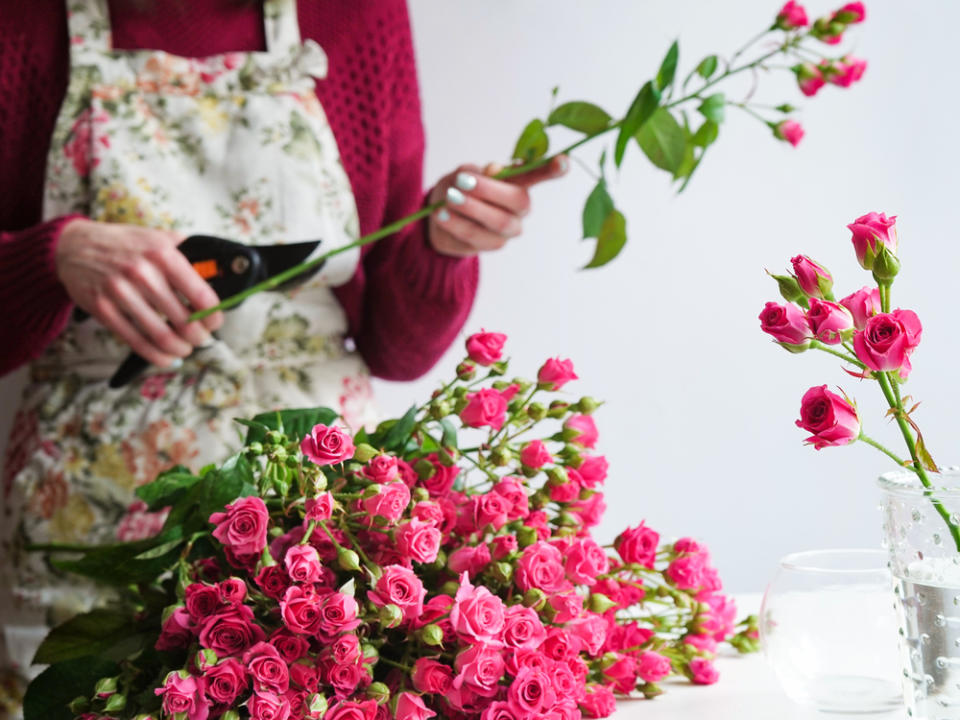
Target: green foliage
{"points": [[610, 240], [713, 107], [49, 694], [706, 135], [668, 68], [641, 110], [663, 140], [707, 67], [597, 208], [533, 142], [106, 634], [397, 432], [167, 488], [581, 116], [294, 423]]}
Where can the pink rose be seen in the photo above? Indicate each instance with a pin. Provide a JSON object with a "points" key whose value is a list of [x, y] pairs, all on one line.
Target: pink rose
{"points": [[829, 321], [502, 545], [869, 231], [345, 679], [273, 581], [230, 632], [291, 647], [585, 560], [399, 586], [887, 341], [477, 614], [522, 627], [814, 279], [623, 674], [411, 707], [347, 710], [266, 705], [201, 600], [490, 509], [535, 455], [791, 16], [319, 509], [597, 702], [486, 348], [703, 643], [831, 419], [787, 324], [486, 407], [565, 492], [232, 591], [593, 470], [345, 650], [382, 469], [512, 489], [479, 669], [565, 607], [327, 445], [689, 545], [390, 503], [638, 545], [590, 511], [303, 564], [418, 540], [789, 130], [442, 479], [177, 630], [243, 527], [863, 304], [531, 693], [592, 631], [809, 78], [583, 429], [851, 13], [338, 613], [555, 373], [266, 667], [300, 610], [720, 620], [847, 71], [225, 681], [430, 676], [653, 667], [470, 559], [686, 571], [428, 511], [703, 672], [541, 566], [183, 694], [497, 710], [560, 645]]}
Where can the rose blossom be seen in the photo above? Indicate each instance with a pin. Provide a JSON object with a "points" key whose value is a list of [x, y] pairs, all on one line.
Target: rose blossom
{"points": [[266, 705], [869, 231], [791, 16], [327, 445], [555, 373], [183, 694], [486, 407], [503, 545], [477, 613], [411, 707], [267, 668], [428, 511], [851, 13], [479, 668], [809, 78], [597, 702], [485, 348], [201, 600], [829, 321], [831, 419], [442, 478], [522, 627], [787, 324], [653, 667], [338, 613], [592, 631], [530, 693], [623, 674], [512, 489], [390, 503], [593, 470], [470, 559], [703, 643], [491, 509], [887, 341], [789, 130], [430, 676], [585, 560], [814, 279], [348, 710], [382, 469], [177, 630], [345, 650], [273, 580], [291, 647], [535, 455], [590, 511], [863, 304], [584, 430], [418, 540], [318, 509], [243, 527], [847, 71], [686, 571], [345, 679], [300, 609], [230, 632], [541, 566], [304, 674], [225, 681], [401, 587], [703, 671], [638, 545], [302, 563]]}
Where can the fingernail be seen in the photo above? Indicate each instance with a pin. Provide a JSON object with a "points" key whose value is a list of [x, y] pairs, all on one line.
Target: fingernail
{"points": [[564, 164], [207, 342], [175, 364], [466, 181], [443, 215], [455, 197]]}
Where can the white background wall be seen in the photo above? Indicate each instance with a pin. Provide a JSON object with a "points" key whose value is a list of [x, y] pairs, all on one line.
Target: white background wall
{"points": [[699, 421]]}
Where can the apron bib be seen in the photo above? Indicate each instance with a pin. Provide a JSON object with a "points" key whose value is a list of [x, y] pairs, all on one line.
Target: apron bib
{"points": [[234, 145]]}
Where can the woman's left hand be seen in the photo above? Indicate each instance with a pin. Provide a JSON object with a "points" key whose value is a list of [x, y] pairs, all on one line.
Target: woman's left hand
{"points": [[482, 213]]}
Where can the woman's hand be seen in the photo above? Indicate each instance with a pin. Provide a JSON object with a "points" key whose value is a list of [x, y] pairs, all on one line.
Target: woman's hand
{"points": [[482, 213], [135, 281]]}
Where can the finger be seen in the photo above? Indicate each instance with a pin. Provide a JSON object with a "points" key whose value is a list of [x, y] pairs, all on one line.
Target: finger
{"points": [[468, 232], [110, 316], [185, 280], [557, 167], [125, 295], [493, 218], [154, 288], [510, 196]]}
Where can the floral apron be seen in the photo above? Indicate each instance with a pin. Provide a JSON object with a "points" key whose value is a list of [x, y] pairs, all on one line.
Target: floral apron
{"points": [[233, 145]]}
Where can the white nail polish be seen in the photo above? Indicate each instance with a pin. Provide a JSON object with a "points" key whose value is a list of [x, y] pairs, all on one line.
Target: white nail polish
{"points": [[175, 364], [466, 181], [443, 215], [455, 197]]}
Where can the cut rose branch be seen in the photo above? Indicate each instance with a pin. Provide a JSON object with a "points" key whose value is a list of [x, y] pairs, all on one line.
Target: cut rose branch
{"points": [[875, 343], [673, 120]]}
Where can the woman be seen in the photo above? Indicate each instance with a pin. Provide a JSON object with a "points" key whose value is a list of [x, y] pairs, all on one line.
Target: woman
{"points": [[231, 121]]}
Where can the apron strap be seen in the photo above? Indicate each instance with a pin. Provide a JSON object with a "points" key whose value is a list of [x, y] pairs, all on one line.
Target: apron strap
{"points": [[281, 26], [88, 22]]}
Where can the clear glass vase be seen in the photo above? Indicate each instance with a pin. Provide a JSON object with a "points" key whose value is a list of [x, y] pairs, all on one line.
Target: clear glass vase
{"points": [[925, 564]]}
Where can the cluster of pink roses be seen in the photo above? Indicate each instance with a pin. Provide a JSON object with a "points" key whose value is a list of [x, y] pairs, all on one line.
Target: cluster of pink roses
{"points": [[860, 327], [407, 585]]}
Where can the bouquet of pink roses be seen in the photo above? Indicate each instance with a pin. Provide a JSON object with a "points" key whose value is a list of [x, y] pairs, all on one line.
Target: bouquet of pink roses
{"points": [[441, 565]]}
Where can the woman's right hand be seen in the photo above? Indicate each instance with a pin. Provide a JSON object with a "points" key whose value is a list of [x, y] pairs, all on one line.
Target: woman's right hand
{"points": [[132, 279]]}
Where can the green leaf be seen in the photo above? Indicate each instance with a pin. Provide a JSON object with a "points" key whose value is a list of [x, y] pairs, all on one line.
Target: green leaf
{"points": [[97, 633], [449, 438], [399, 432], [232, 480], [707, 67], [641, 110], [295, 423], [596, 209], [714, 107], [52, 690], [706, 134], [159, 550], [663, 140], [611, 239], [533, 142], [580, 116], [668, 68], [167, 488]]}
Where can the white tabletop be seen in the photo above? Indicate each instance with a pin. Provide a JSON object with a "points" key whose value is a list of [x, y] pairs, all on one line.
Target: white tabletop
{"points": [[747, 690]]}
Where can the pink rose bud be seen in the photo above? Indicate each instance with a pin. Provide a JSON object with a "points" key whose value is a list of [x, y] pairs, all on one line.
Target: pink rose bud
{"points": [[702, 671], [814, 279], [863, 305], [653, 667], [830, 322], [485, 348], [787, 324], [486, 407], [535, 455], [847, 71], [851, 13], [887, 341], [582, 430], [327, 445], [870, 231], [831, 419], [809, 78], [789, 130], [791, 16], [555, 373]]}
